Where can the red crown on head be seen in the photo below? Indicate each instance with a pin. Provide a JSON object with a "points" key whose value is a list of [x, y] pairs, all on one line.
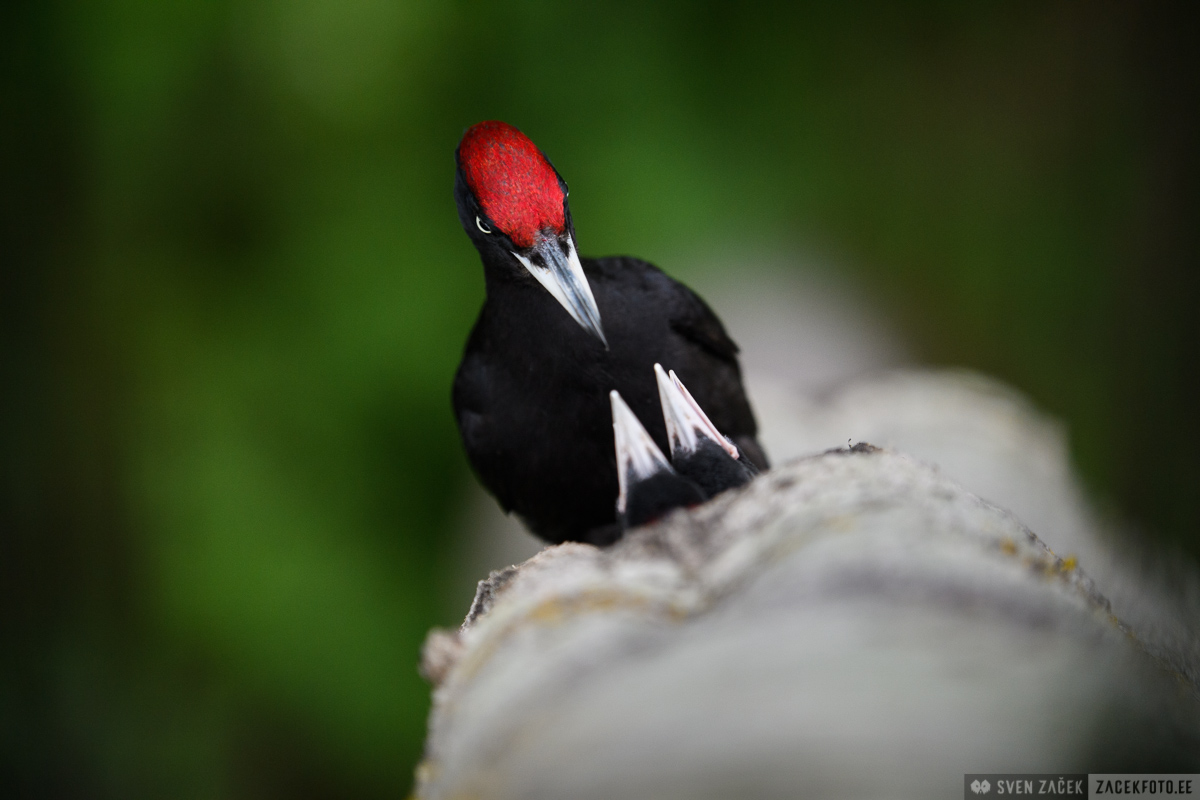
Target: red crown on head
{"points": [[512, 180]]}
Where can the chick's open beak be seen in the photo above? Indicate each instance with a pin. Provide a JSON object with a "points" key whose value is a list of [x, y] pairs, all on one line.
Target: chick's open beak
{"points": [[686, 422], [555, 264], [638, 457]]}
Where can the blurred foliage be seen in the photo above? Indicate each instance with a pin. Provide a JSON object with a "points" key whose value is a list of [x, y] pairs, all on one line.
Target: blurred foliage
{"points": [[234, 294]]}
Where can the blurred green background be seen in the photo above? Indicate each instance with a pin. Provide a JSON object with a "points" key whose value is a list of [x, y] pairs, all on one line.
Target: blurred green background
{"points": [[234, 292]]}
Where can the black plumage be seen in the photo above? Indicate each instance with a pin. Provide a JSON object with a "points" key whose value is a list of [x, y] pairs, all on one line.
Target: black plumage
{"points": [[656, 496], [531, 393], [712, 469]]}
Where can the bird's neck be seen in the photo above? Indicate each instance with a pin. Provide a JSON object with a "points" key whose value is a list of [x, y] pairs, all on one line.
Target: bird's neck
{"points": [[519, 308], [502, 275]]}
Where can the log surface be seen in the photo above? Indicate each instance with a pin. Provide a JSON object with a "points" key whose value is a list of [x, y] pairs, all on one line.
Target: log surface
{"points": [[851, 624]]}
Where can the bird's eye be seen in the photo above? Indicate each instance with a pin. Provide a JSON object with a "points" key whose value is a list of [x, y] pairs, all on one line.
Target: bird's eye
{"points": [[479, 224]]}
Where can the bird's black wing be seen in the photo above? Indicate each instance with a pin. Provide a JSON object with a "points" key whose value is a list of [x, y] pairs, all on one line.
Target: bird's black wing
{"points": [[692, 319], [687, 313], [695, 321]]}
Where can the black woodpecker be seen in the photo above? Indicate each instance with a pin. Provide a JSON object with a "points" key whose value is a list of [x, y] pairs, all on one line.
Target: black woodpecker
{"points": [[556, 334]]}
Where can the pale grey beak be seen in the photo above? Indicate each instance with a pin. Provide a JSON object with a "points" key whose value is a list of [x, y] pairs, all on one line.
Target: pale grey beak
{"points": [[562, 275], [686, 421], [638, 457]]}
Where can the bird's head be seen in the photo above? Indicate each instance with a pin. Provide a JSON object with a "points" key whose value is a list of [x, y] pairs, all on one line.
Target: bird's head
{"points": [[513, 205]]}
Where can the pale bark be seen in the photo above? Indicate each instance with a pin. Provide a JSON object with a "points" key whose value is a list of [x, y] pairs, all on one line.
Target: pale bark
{"points": [[852, 624]]}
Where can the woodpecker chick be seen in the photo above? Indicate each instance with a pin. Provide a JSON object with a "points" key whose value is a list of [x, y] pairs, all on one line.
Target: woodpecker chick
{"points": [[699, 452], [649, 487]]}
